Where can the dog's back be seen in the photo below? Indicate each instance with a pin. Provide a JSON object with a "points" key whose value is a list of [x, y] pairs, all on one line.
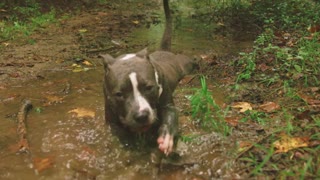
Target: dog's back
{"points": [[172, 66]]}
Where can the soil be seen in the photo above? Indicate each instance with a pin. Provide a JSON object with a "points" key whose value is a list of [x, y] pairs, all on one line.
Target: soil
{"points": [[91, 32], [43, 65]]}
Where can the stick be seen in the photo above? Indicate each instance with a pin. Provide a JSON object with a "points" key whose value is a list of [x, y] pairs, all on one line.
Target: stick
{"points": [[21, 129], [251, 146]]}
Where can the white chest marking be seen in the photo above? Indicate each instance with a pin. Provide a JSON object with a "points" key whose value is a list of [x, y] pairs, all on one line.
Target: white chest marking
{"points": [[142, 102], [128, 56], [157, 80]]}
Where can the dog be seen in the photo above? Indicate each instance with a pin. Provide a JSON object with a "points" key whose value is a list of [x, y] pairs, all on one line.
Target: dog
{"points": [[138, 90]]}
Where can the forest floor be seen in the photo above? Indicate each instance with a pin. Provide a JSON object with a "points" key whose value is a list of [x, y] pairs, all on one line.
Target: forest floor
{"points": [[272, 127]]}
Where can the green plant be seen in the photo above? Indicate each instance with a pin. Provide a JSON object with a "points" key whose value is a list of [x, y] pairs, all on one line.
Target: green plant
{"points": [[30, 8], [187, 138], [258, 167], [253, 161], [38, 21], [256, 116], [289, 14], [308, 55], [203, 106], [20, 29], [289, 128], [248, 61], [289, 91]]}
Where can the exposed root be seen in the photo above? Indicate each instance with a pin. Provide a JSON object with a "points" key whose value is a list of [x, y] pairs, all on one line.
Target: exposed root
{"points": [[22, 129]]}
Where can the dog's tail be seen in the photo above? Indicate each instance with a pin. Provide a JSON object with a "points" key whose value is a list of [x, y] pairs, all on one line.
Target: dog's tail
{"points": [[167, 34]]}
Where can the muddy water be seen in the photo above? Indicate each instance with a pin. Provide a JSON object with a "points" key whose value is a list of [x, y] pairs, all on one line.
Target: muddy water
{"points": [[66, 146], [190, 36]]}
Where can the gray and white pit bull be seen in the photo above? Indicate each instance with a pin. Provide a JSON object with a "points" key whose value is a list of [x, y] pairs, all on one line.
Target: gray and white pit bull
{"points": [[138, 92]]}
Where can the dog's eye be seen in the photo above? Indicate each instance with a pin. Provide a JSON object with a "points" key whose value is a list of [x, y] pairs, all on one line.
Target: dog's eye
{"points": [[118, 94], [149, 88]]}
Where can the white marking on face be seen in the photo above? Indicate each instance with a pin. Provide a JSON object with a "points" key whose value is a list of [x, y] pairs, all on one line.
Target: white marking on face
{"points": [[157, 80], [128, 56], [142, 102]]}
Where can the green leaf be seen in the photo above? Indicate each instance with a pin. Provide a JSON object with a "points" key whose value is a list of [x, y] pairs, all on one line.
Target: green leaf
{"points": [[298, 68]]}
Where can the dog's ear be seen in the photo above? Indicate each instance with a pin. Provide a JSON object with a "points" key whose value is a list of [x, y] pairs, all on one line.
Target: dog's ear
{"points": [[143, 53], [107, 60]]}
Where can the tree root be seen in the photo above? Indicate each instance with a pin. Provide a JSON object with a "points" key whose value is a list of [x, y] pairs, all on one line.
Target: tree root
{"points": [[22, 129]]}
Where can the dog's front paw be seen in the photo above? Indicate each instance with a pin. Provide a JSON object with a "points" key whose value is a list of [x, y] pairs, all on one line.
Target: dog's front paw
{"points": [[165, 143]]}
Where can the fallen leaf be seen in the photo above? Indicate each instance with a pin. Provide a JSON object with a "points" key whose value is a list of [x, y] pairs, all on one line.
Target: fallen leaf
{"points": [[243, 106], [245, 144], [136, 22], [263, 67], [41, 164], [314, 89], [82, 30], [87, 63], [102, 14], [304, 115], [51, 99], [314, 143], [233, 121], [78, 69], [309, 99], [287, 143], [82, 112], [269, 106], [314, 28]]}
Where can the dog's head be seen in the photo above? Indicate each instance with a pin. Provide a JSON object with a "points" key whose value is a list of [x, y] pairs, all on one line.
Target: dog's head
{"points": [[132, 89]]}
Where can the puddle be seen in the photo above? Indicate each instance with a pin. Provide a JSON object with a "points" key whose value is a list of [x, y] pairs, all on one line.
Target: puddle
{"points": [[63, 146], [190, 36], [76, 147]]}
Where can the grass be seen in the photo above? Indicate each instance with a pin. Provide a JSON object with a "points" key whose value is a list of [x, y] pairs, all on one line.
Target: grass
{"points": [[301, 62], [22, 29], [206, 112], [285, 63]]}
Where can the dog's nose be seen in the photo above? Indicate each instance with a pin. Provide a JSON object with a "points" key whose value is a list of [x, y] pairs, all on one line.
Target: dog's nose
{"points": [[142, 116]]}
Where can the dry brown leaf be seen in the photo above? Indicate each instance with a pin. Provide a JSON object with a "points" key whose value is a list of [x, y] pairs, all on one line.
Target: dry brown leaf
{"points": [[244, 145], [269, 106], [309, 99], [314, 28], [304, 115], [287, 143], [82, 112], [102, 14], [233, 121], [52, 99], [41, 164], [243, 106]]}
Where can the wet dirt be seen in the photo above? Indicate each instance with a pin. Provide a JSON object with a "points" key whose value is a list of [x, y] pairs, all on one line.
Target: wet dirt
{"points": [[62, 76]]}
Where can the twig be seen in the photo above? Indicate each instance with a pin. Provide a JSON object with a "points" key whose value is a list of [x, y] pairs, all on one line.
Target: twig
{"points": [[21, 129], [251, 146]]}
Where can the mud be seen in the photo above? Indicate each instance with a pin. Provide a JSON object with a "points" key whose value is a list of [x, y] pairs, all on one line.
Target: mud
{"points": [[61, 74]]}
